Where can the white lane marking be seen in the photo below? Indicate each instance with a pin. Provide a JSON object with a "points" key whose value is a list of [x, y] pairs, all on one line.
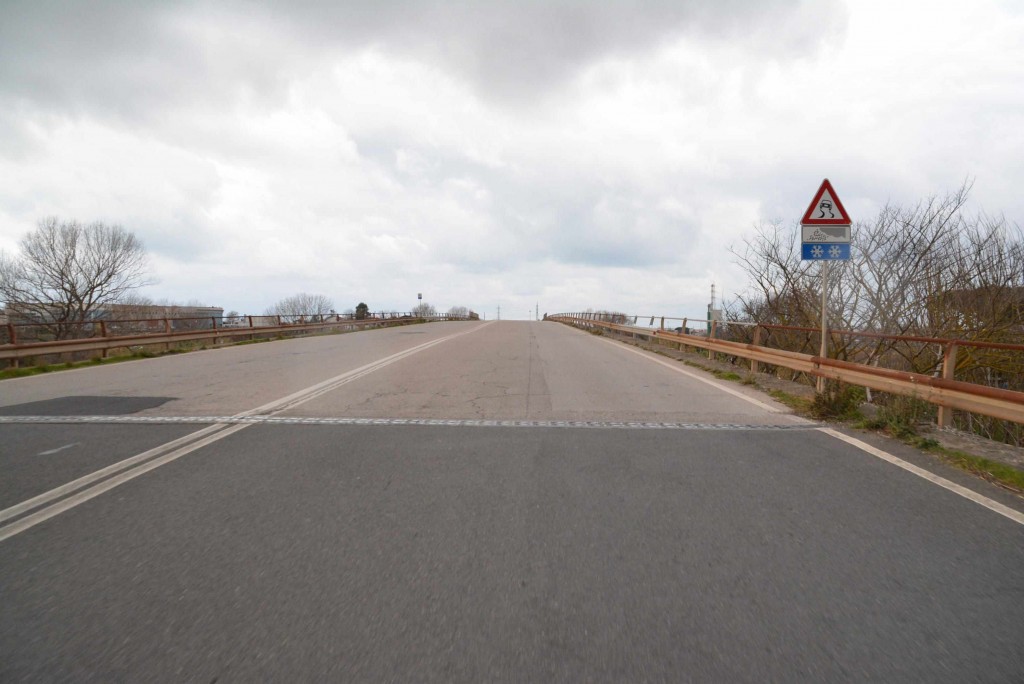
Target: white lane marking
{"points": [[425, 422], [57, 450], [707, 381], [988, 503], [208, 435], [58, 492], [91, 493]]}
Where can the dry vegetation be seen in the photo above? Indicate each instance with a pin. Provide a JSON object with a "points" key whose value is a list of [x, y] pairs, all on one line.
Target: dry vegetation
{"points": [[930, 270]]}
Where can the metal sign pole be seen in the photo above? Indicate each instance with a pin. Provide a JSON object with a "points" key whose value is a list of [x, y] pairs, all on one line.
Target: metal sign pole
{"points": [[823, 353]]}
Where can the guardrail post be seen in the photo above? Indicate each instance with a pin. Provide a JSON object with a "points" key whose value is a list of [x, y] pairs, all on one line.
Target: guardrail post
{"points": [[103, 333], [682, 331], [13, 336], [662, 327], [714, 331], [945, 418], [167, 330], [754, 366]]}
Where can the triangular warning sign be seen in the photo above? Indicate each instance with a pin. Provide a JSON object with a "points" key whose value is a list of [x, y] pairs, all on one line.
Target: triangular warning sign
{"points": [[826, 209]]}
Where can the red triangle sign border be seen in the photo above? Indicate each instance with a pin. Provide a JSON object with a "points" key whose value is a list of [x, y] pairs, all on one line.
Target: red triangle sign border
{"points": [[842, 220]]}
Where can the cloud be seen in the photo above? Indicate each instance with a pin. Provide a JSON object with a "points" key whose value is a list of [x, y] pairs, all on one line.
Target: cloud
{"points": [[599, 154], [127, 60]]}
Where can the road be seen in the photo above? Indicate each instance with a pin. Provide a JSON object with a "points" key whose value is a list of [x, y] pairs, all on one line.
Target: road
{"points": [[480, 501]]}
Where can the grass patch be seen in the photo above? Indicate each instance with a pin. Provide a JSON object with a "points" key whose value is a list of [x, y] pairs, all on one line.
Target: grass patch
{"points": [[901, 422], [25, 371], [801, 405], [244, 342], [993, 471], [18, 372], [727, 375]]}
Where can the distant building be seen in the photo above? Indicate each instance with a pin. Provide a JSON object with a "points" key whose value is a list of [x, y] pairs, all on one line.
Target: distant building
{"points": [[984, 308]]}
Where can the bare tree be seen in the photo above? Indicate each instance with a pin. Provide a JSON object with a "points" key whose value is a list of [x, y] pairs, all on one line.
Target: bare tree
{"points": [[459, 312], [781, 287], [67, 271], [423, 310], [302, 308], [926, 270]]}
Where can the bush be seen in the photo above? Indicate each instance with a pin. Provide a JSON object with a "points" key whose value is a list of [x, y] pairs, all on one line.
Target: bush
{"points": [[839, 400]]}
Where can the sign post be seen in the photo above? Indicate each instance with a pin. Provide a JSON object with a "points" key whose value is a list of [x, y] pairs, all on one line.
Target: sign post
{"points": [[825, 237]]}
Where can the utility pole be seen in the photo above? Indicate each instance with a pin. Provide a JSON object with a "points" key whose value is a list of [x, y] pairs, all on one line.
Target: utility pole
{"points": [[536, 311], [711, 309], [499, 313]]}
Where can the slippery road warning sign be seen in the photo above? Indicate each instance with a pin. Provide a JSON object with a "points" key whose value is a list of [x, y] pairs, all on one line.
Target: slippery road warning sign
{"points": [[826, 209], [825, 227]]}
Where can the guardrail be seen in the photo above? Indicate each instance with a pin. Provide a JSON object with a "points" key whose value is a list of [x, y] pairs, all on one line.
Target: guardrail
{"points": [[101, 341], [942, 391]]}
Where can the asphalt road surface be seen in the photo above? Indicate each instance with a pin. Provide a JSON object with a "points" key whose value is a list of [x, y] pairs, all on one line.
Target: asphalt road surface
{"points": [[502, 501]]}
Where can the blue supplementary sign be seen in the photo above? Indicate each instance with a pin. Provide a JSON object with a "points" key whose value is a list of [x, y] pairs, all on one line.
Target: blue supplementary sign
{"points": [[823, 250]]}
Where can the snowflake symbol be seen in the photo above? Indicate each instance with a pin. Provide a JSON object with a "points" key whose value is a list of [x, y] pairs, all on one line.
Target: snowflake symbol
{"points": [[834, 251], [817, 251]]}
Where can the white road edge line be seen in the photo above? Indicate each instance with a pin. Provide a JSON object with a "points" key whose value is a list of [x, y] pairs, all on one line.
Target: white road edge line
{"points": [[207, 435], [706, 381], [988, 503]]}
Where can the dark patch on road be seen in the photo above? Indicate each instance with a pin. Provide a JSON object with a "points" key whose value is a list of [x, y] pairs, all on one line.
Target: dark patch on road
{"points": [[85, 406]]}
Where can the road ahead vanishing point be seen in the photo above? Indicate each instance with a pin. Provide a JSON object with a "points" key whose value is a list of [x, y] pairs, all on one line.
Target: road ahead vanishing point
{"points": [[502, 501]]}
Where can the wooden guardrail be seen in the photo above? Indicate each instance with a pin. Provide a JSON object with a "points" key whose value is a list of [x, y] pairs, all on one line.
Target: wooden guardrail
{"points": [[944, 391], [103, 342]]}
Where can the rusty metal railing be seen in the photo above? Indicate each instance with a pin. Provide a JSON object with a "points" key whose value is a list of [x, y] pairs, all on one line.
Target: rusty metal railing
{"points": [[943, 391], [103, 335]]}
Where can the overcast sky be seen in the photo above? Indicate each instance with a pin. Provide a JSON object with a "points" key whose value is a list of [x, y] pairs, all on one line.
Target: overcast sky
{"points": [[588, 154]]}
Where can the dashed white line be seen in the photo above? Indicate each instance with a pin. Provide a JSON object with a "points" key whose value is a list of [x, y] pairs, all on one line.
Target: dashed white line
{"points": [[51, 452], [428, 422]]}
